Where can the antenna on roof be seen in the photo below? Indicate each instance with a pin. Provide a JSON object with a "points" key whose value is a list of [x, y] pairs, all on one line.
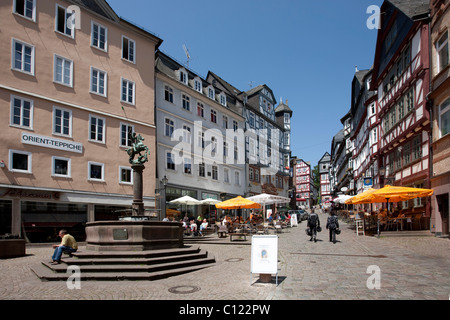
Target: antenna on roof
{"points": [[188, 56]]}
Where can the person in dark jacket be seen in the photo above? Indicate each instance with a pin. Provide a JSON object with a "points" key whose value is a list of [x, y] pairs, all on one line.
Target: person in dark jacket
{"points": [[332, 225], [313, 223]]}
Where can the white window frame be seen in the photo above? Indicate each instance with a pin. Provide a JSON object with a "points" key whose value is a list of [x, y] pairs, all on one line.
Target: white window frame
{"points": [[446, 108], [120, 175], [225, 121], [69, 167], [22, 100], [185, 102], [33, 15], [198, 85], [168, 93], [62, 122], [99, 26], [215, 169], [183, 77], [211, 93], [237, 178], [172, 157], [22, 63], [171, 125], [128, 53], [223, 99], [201, 107], [126, 132], [235, 125], [127, 82], [102, 165], [55, 63], [202, 170], [105, 82], [72, 30], [439, 48], [96, 140], [10, 162], [213, 114], [226, 175], [187, 134], [187, 165]]}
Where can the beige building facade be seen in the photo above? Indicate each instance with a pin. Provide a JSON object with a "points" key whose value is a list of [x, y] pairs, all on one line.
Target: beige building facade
{"points": [[76, 81], [440, 104]]}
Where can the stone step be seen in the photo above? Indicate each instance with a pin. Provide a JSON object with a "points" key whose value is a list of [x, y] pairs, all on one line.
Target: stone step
{"points": [[133, 265], [76, 260], [46, 274], [90, 254], [124, 268]]}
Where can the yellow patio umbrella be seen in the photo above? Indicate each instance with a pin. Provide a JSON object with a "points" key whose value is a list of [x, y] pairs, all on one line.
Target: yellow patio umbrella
{"points": [[363, 197], [238, 203], [397, 193]]}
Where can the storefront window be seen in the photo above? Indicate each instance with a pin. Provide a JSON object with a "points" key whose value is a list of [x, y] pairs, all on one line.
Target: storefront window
{"points": [[5, 217], [105, 213], [43, 220]]}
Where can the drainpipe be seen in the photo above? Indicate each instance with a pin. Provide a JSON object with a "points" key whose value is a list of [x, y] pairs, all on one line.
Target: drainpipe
{"points": [[429, 105]]}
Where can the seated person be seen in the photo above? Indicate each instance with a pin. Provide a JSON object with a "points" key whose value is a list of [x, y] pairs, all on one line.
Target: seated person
{"points": [[193, 227], [203, 226], [68, 245]]}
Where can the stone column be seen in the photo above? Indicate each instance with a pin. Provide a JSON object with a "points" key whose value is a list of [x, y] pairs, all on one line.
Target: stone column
{"points": [[138, 203]]}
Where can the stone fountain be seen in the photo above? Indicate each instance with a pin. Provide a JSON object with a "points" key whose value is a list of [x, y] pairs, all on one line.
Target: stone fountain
{"points": [[135, 232]]}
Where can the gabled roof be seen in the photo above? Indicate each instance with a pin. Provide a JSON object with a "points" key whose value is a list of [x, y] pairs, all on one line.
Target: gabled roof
{"points": [[232, 90], [414, 9], [100, 7], [324, 157], [283, 108], [170, 67], [103, 9], [406, 14], [257, 89]]}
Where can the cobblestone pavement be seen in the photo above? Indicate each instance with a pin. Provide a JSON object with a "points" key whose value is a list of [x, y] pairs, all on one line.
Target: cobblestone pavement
{"points": [[410, 268]]}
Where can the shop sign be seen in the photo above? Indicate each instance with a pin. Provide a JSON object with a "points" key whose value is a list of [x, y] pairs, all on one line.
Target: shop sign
{"points": [[32, 194], [50, 142]]}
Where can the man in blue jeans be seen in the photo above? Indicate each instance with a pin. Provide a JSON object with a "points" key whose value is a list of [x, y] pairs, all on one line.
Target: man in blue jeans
{"points": [[68, 244]]}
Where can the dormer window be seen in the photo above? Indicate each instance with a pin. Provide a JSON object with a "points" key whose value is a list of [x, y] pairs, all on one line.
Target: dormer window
{"points": [[183, 77], [223, 99], [198, 85], [211, 93]]}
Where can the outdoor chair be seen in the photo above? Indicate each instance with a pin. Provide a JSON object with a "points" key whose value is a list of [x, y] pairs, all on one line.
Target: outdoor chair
{"points": [[409, 220], [360, 227]]}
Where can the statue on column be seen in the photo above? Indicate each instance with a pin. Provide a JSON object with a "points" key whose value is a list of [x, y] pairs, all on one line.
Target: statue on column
{"points": [[137, 146]]}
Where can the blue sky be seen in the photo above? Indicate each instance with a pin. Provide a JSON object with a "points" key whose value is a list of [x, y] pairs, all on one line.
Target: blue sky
{"points": [[305, 51]]}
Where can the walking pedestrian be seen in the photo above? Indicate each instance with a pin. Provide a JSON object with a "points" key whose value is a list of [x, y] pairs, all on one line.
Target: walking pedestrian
{"points": [[332, 225], [313, 224]]}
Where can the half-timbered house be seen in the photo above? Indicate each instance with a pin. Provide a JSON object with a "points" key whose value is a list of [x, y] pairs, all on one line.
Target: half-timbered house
{"points": [[401, 78]]}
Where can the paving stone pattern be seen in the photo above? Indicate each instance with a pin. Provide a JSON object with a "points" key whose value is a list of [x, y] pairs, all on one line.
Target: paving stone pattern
{"points": [[410, 268]]}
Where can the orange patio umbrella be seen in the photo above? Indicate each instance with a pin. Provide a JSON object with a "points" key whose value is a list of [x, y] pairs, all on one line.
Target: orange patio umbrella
{"points": [[396, 194], [238, 203], [363, 197]]}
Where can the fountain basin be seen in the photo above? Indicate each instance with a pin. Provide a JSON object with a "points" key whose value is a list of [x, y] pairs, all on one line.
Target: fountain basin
{"points": [[133, 235]]}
